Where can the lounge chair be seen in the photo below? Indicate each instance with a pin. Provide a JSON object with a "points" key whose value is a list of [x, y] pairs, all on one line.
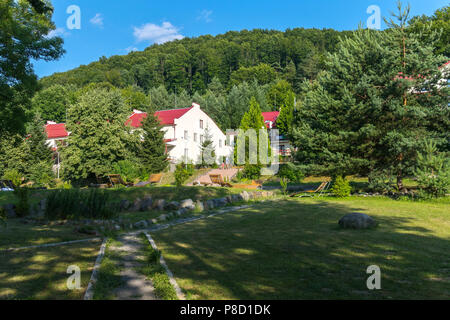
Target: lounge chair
{"points": [[324, 186], [154, 179], [117, 180], [218, 179]]}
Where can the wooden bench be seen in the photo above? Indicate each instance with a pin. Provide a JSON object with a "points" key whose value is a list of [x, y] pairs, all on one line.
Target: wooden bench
{"points": [[218, 179], [116, 180], [153, 179]]}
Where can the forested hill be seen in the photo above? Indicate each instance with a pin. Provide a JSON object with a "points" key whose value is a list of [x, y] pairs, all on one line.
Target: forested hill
{"points": [[191, 63]]}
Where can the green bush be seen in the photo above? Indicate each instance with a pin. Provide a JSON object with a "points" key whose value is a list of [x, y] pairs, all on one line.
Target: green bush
{"points": [[14, 176], [252, 171], [432, 172], [380, 182], [129, 171], [284, 184], [42, 175], [291, 172], [23, 201], [341, 187], [182, 173], [77, 204]]}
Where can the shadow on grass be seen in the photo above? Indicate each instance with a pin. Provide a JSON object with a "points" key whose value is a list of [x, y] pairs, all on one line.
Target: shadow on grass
{"points": [[294, 250], [42, 273]]}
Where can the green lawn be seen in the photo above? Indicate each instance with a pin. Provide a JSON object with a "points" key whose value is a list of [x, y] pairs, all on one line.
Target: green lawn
{"points": [[41, 274], [17, 234], [294, 249]]}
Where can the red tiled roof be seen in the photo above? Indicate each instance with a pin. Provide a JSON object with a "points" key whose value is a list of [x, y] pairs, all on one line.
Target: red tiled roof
{"points": [[135, 120], [270, 116], [57, 130], [166, 117]]}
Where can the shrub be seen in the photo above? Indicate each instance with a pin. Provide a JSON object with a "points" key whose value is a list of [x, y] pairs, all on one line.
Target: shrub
{"points": [[284, 185], [14, 176], [66, 185], [432, 172], [380, 182], [291, 172], [76, 204], [341, 187], [23, 202], [252, 171], [182, 173], [128, 170], [41, 174]]}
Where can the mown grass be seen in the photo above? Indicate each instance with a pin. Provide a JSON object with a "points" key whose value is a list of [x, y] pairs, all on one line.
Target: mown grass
{"points": [[109, 277], [294, 249], [154, 271], [41, 274], [17, 234]]}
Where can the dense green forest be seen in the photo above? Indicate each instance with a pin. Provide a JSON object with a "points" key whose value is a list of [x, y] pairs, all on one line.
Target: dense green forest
{"points": [[192, 63]]}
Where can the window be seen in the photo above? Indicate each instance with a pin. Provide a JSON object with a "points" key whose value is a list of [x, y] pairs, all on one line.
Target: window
{"points": [[195, 137], [201, 124], [186, 135], [220, 143], [186, 154], [201, 138]]}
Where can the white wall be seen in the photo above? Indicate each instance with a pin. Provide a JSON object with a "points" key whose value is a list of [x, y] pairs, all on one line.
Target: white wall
{"points": [[190, 122]]}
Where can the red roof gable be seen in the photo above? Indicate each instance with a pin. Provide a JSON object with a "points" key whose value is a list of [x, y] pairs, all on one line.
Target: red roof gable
{"points": [[166, 117], [270, 117], [57, 130]]}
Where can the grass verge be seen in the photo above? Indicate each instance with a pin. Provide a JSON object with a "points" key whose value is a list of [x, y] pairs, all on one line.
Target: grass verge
{"points": [[109, 277], [153, 270]]}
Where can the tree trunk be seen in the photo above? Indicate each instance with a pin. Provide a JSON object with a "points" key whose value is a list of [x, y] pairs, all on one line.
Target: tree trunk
{"points": [[400, 185]]}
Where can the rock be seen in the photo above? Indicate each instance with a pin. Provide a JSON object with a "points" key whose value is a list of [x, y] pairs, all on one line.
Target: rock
{"points": [[10, 210], [154, 221], [237, 198], [141, 224], [124, 205], [117, 227], [174, 205], [159, 204], [222, 202], [181, 211], [146, 204], [209, 204], [136, 205], [163, 217], [245, 196], [357, 221], [188, 203]]}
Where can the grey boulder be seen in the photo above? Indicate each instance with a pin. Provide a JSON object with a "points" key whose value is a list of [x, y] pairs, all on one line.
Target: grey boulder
{"points": [[357, 221]]}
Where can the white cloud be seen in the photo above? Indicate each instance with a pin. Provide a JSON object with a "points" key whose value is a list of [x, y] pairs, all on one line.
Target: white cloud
{"points": [[97, 20], [58, 32], [158, 34], [205, 15]]}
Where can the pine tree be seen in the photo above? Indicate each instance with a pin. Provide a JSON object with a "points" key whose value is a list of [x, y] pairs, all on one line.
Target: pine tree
{"points": [[153, 149], [377, 100], [252, 120], [37, 140], [207, 152]]}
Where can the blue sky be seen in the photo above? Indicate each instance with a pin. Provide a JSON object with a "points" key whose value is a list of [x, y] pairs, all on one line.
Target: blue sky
{"points": [[114, 27]]}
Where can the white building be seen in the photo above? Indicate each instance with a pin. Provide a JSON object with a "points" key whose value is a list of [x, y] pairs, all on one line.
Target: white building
{"points": [[185, 132]]}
